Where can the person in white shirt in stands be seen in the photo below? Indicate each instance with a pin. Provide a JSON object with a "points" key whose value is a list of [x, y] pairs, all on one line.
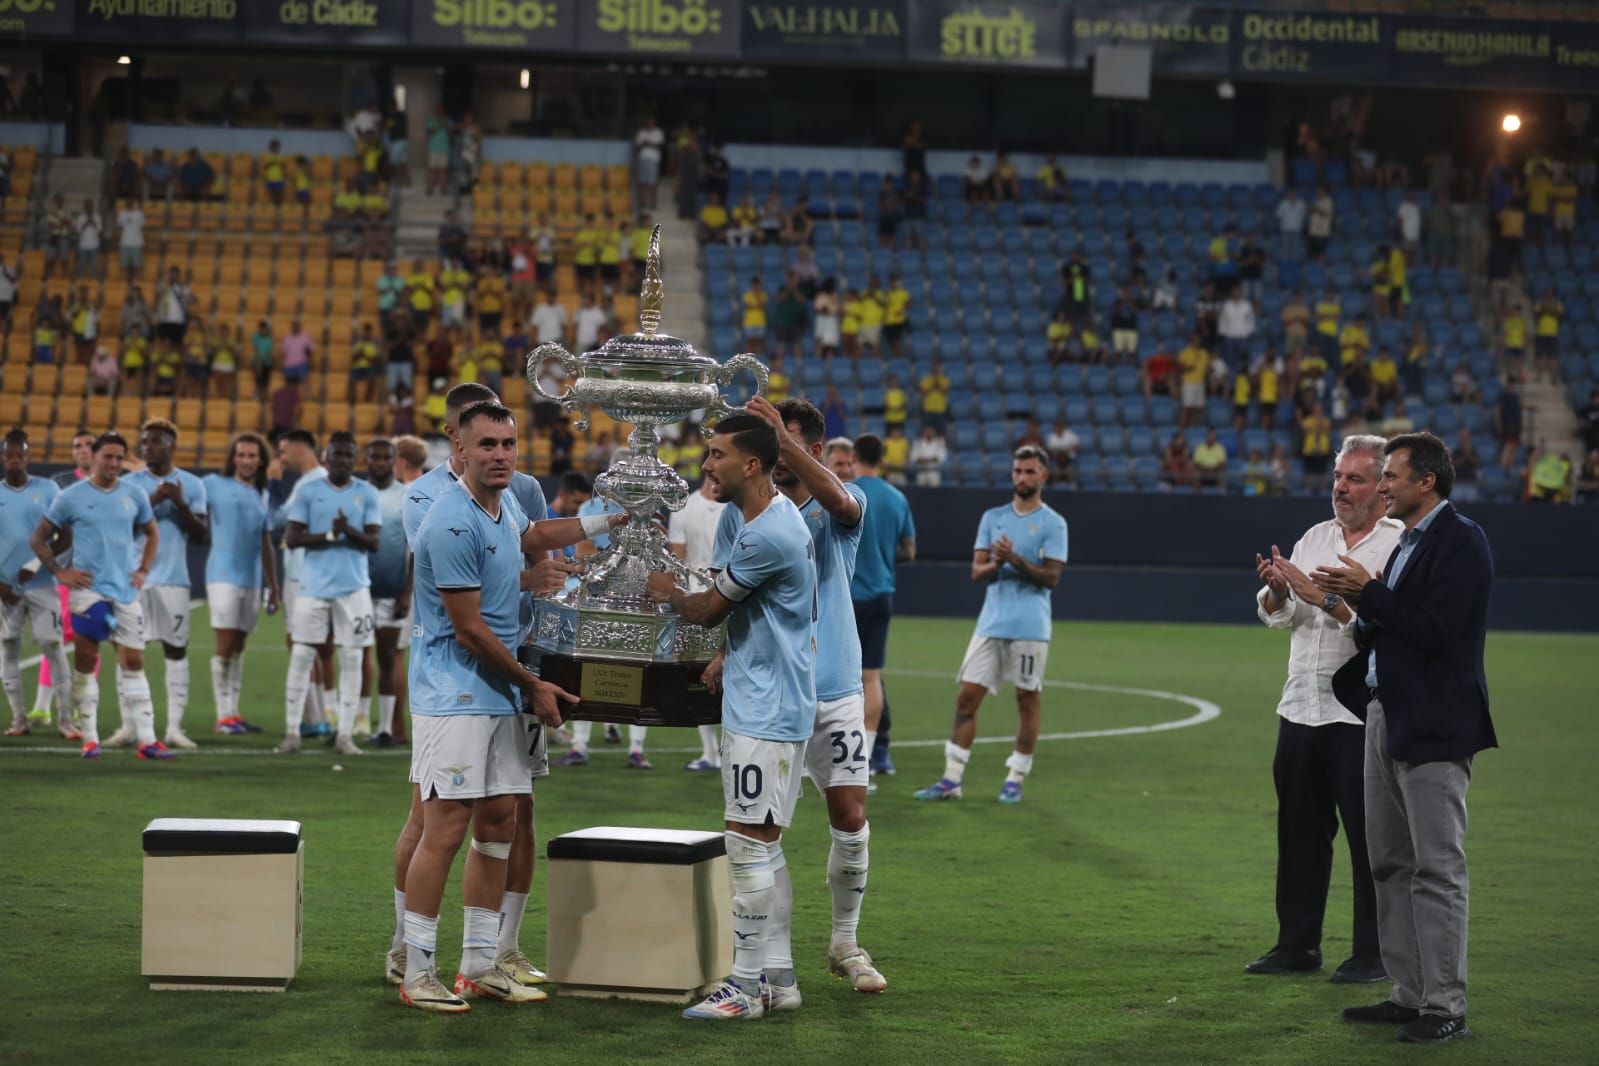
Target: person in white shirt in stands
{"points": [[590, 320], [690, 534], [1408, 215], [130, 243], [1320, 762], [548, 321], [647, 145], [929, 453], [1291, 212], [1236, 325]]}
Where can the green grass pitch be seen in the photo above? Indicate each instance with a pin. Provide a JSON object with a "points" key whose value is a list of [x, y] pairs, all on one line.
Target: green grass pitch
{"points": [[1106, 919]]}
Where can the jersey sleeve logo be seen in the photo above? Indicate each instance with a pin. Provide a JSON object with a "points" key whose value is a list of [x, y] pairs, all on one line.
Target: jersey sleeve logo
{"points": [[457, 532]]}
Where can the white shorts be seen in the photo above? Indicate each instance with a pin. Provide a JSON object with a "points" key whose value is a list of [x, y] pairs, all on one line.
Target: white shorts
{"points": [[289, 593], [129, 616], [233, 606], [42, 607], [438, 160], [348, 620], [1193, 394], [760, 779], [992, 662], [383, 615], [836, 753], [871, 334], [166, 614], [469, 756]]}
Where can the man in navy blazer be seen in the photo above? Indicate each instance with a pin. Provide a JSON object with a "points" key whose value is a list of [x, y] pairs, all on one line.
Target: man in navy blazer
{"points": [[1418, 682]]}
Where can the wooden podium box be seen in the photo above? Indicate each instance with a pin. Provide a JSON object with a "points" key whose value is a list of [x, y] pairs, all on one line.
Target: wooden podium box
{"points": [[639, 913], [222, 903]]}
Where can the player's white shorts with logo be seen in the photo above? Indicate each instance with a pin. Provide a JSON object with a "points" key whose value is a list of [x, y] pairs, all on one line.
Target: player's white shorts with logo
{"points": [[233, 606], [39, 606], [385, 618], [760, 779], [992, 662], [348, 620], [836, 753], [166, 614], [469, 756], [129, 631]]}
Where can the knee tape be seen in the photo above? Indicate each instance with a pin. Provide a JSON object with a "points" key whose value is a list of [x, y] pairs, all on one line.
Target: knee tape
{"points": [[493, 849], [852, 843], [751, 861]]}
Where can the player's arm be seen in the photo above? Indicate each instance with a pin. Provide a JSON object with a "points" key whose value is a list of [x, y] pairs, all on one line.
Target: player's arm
{"points": [[821, 483], [984, 567], [152, 541], [194, 524], [269, 572], [366, 538], [679, 551], [297, 536], [707, 608], [549, 534], [465, 608], [907, 550], [1045, 573], [402, 602]]}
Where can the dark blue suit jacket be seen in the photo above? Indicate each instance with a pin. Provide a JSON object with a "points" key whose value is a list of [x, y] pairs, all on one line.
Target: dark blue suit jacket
{"points": [[1429, 632]]}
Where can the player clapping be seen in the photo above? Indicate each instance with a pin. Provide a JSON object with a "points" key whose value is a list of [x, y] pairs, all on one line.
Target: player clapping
{"points": [[27, 592], [241, 561]]}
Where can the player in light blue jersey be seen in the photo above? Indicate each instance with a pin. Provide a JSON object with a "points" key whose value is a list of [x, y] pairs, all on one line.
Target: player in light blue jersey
{"points": [[391, 586], [178, 499], [336, 520], [27, 592], [767, 595], [240, 563], [471, 749], [297, 452], [1020, 554], [102, 516]]}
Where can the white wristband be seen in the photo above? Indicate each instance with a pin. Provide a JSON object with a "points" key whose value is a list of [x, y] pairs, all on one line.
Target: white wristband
{"points": [[595, 525]]}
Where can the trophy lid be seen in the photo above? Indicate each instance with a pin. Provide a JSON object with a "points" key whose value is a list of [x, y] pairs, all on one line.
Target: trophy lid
{"points": [[649, 348]]}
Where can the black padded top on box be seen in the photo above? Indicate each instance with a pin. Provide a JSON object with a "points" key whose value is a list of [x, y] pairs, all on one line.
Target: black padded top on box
{"points": [[221, 836], [609, 843]]}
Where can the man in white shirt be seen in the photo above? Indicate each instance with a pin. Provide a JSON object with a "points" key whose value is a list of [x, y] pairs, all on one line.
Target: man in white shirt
{"points": [[549, 321], [590, 320], [1320, 762], [130, 248], [1409, 216], [1321, 222], [929, 453], [89, 240], [1236, 325], [647, 145], [1291, 212], [691, 534]]}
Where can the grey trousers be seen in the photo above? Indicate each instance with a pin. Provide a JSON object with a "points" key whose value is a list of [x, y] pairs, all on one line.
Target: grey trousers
{"points": [[1415, 836]]}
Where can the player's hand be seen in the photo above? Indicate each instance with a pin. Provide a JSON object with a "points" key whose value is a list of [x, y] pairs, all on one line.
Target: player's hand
{"points": [[402, 605], [661, 584], [712, 676], [763, 409], [1002, 550], [547, 576], [274, 468], [1266, 570], [138, 578], [546, 699], [341, 525], [273, 599], [1346, 581], [8, 596], [76, 579]]}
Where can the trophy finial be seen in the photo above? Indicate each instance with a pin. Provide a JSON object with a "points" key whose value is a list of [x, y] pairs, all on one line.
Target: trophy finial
{"points": [[652, 296]]}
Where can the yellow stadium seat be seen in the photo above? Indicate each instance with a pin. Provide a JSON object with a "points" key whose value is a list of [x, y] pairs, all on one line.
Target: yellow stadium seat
{"points": [[336, 390], [189, 415], [367, 419], [617, 178], [74, 380], [69, 411], [538, 175], [126, 415], [620, 205], [214, 448], [321, 169], [315, 273], [565, 176], [10, 409], [97, 413], [311, 415], [539, 202], [14, 378], [257, 302], [242, 165], [46, 376], [591, 176]]}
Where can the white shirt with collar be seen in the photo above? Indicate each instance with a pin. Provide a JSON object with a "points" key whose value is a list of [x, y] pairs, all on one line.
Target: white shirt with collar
{"points": [[1320, 645]]}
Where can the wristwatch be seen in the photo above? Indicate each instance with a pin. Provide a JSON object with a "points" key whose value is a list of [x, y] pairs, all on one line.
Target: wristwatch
{"points": [[331, 537], [1330, 602]]}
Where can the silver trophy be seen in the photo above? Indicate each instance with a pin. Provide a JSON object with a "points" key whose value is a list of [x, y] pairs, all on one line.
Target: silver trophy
{"points": [[628, 658]]}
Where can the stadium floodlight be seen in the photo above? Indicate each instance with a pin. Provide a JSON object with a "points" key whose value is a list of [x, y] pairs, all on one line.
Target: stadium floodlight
{"points": [[124, 61], [1225, 89], [526, 78], [1511, 122]]}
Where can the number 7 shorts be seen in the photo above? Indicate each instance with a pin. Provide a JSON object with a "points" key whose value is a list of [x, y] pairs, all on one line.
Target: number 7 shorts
{"points": [[992, 662], [760, 779], [836, 753]]}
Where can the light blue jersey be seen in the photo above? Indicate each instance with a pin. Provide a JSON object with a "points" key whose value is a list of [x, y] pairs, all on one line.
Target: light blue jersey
{"points": [[20, 511], [1015, 608], [340, 568], [239, 515], [459, 546], [529, 495], [597, 504], [294, 558], [889, 526], [102, 523], [388, 562], [769, 681], [838, 645], [172, 552], [419, 496]]}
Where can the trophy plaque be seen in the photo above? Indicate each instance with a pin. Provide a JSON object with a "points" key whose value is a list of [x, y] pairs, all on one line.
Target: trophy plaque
{"points": [[629, 659]]}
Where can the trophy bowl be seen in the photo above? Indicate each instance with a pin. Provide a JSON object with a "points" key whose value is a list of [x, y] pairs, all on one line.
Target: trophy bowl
{"points": [[628, 658]]}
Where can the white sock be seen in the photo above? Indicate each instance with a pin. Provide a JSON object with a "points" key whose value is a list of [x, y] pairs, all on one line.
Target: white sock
{"points": [[11, 678], [779, 965], [177, 693], [753, 889], [86, 697], [55, 653], [313, 702], [478, 940], [235, 683], [955, 759], [220, 676], [847, 863], [386, 706], [581, 731], [295, 687], [635, 738], [138, 707], [512, 906], [1020, 766], [327, 701], [710, 750], [399, 920], [349, 687], [422, 940], [41, 698]]}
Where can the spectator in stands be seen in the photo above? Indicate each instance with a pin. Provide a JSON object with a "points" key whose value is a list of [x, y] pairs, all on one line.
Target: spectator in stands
{"points": [[390, 288], [1224, 249], [977, 183], [1563, 199], [1397, 421], [1550, 478], [1507, 422], [224, 363], [789, 317], [588, 323], [714, 220], [1463, 387], [399, 356], [1159, 374], [1550, 313], [562, 445], [452, 237], [1257, 474], [440, 355], [1176, 465], [777, 382], [799, 227], [1052, 183], [262, 358], [49, 322], [195, 363], [806, 271], [549, 320], [83, 315], [1252, 267], [1439, 230], [489, 355], [1468, 464], [718, 173], [648, 144], [1007, 184], [1407, 223], [285, 407], [61, 237], [1236, 327], [1063, 443], [104, 372], [440, 141], [1165, 297], [1031, 435], [1243, 389], [825, 308], [489, 301], [402, 411], [275, 172], [130, 239], [469, 149], [195, 176], [302, 182], [421, 295], [1076, 276], [896, 456], [1418, 356], [9, 275], [934, 389], [872, 311], [158, 175], [889, 210], [1210, 461], [1207, 316], [913, 222], [1193, 366], [296, 349], [913, 150], [769, 225], [850, 323], [1385, 376], [834, 414], [1315, 446], [1296, 322], [1058, 337], [1291, 213], [743, 223], [135, 357], [364, 369], [896, 301], [753, 302], [1354, 340], [1319, 227], [1278, 470], [1086, 345], [125, 183], [1511, 231], [1513, 335], [690, 168], [928, 455], [1539, 187], [173, 304], [1124, 327]]}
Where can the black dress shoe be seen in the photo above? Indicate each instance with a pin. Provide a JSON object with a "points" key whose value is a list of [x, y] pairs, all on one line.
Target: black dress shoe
{"points": [[1385, 1013], [1284, 960], [1434, 1029], [1358, 972]]}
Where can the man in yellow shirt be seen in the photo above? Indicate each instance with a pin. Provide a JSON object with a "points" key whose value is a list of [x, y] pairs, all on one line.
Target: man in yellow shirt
{"points": [[489, 354], [611, 243], [1354, 341], [1398, 288], [871, 313], [1550, 312], [638, 244], [490, 301], [1515, 336], [1268, 386], [586, 251], [934, 390], [1193, 366], [1243, 389], [1540, 188], [777, 383], [850, 327], [420, 290], [690, 454], [1315, 445], [896, 313], [1380, 285], [896, 406], [364, 369], [754, 322], [713, 221], [1563, 199], [1385, 375], [274, 170], [302, 181], [1328, 313]]}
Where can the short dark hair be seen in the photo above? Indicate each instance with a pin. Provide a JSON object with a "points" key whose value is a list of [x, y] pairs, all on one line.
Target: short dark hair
{"points": [[813, 427], [492, 410], [300, 436], [379, 442], [18, 435], [468, 393], [576, 481], [752, 436], [110, 436], [249, 436], [869, 449], [83, 433], [1428, 455], [1034, 452], [342, 436]]}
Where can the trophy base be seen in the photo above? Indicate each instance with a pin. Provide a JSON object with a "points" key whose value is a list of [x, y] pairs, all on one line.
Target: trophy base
{"points": [[633, 693]]}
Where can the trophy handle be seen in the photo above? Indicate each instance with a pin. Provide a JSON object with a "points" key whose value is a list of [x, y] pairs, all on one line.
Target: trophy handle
{"points": [[570, 367], [724, 376]]}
